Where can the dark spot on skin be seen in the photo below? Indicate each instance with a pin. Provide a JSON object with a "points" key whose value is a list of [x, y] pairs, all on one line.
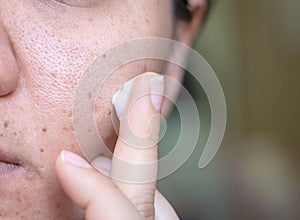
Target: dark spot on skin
{"points": [[109, 113], [1, 135], [58, 205], [104, 55], [42, 150], [44, 130], [6, 123], [147, 20], [90, 95], [15, 133]]}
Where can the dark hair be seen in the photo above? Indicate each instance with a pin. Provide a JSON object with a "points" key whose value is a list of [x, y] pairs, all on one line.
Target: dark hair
{"points": [[182, 11]]}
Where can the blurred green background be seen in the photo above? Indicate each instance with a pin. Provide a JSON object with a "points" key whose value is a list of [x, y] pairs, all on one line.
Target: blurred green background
{"points": [[254, 47]]}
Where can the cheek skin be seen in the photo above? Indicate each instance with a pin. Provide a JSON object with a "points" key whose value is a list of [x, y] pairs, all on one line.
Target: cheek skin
{"points": [[54, 45]]}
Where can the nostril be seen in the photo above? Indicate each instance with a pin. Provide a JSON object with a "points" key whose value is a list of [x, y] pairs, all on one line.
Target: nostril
{"points": [[8, 66]]}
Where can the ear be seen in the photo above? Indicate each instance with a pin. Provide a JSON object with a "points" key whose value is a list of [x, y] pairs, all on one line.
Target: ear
{"points": [[188, 20]]}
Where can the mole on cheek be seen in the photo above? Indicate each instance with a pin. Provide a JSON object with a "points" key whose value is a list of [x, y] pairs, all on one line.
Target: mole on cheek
{"points": [[44, 130], [6, 123]]}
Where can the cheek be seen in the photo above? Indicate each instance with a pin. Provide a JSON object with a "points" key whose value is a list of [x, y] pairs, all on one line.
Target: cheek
{"points": [[52, 57]]}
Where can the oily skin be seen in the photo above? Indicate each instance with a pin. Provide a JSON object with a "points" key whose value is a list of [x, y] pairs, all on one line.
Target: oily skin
{"points": [[53, 44]]}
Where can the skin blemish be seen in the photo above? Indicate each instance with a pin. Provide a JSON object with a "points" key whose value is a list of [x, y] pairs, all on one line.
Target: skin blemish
{"points": [[42, 150], [6, 123], [104, 55], [1, 135], [44, 130], [58, 205]]}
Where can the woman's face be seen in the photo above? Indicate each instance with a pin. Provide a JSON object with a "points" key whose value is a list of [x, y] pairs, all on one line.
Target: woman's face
{"points": [[52, 43], [46, 46]]}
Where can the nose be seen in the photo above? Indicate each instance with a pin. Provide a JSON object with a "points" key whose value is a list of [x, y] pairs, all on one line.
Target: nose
{"points": [[8, 65]]}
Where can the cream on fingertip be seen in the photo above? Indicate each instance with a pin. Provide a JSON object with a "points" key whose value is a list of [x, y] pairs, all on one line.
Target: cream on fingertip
{"points": [[157, 91]]}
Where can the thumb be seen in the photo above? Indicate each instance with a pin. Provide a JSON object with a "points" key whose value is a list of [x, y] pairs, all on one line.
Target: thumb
{"points": [[92, 191]]}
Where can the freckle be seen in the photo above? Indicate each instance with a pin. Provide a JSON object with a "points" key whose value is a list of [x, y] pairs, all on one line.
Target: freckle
{"points": [[42, 150], [65, 129], [104, 55], [90, 95], [1, 135], [147, 20], [15, 133], [58, 205], [44, 130], [109, 113], [6, 123]]}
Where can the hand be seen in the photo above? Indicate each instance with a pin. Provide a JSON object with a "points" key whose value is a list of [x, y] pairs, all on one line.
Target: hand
{"points": [[104, 195]]}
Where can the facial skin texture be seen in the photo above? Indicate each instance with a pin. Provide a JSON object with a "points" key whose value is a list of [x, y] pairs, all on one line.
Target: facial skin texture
{"points": [[48, 46]]}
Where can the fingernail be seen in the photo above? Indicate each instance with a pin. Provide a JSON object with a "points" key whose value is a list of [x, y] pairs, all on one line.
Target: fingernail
{"points": [[102, 164], [120, 98], [157, 91], [74, 159]]}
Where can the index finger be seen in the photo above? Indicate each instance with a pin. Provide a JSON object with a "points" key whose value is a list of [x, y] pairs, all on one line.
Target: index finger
{"points": [[136, 147], [134, 164]]}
